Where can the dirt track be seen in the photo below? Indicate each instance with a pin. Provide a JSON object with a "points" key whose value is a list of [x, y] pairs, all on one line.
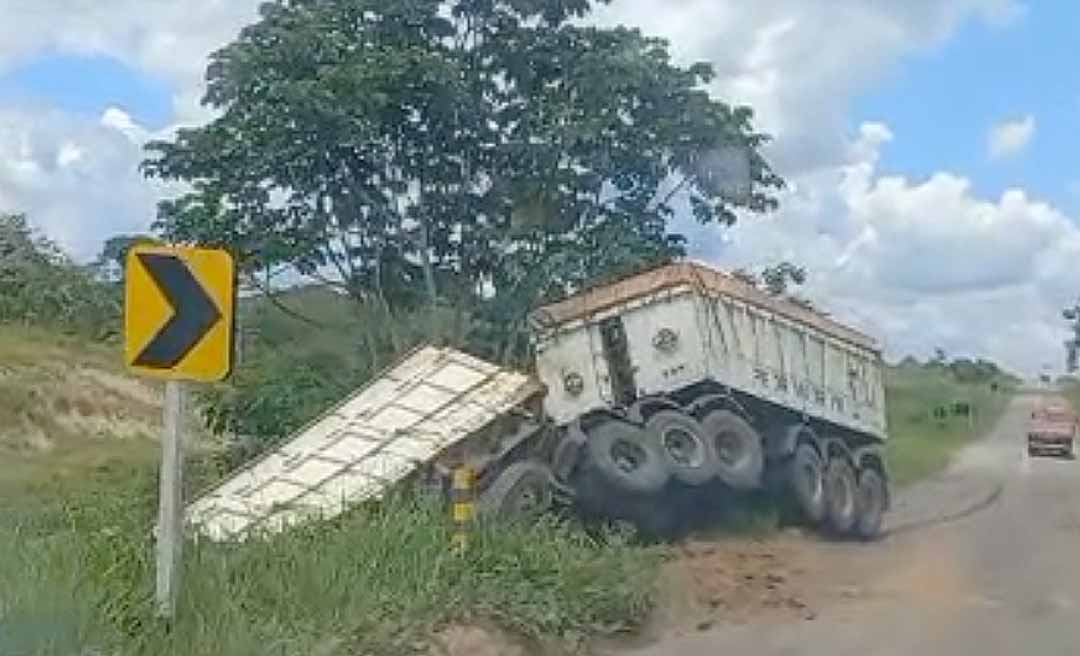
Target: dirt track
{"points": [[982, 560]]}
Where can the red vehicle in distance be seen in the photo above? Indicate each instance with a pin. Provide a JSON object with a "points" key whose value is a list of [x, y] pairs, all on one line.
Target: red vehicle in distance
{"points": [[1053, 430]]}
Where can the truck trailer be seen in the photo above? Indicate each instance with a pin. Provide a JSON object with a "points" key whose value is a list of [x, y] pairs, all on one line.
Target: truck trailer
{"points": [[681, 375]]}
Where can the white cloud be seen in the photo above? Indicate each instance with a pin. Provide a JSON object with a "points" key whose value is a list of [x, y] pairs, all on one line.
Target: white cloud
{"points": [[798, 63], [1009, 138], [921, 264], [76, 178], [69, 154], [122, 122]]}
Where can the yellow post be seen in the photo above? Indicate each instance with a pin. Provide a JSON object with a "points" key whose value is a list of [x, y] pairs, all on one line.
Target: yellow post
{"points": [[464, 507]]}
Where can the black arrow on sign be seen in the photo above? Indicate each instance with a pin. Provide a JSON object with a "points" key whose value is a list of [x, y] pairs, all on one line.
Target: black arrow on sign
{"points": [[194, 312]]}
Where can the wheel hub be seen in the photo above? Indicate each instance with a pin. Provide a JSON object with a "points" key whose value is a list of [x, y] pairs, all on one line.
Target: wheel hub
{"points": [[843, 496], [812, 480], [728, 448], [627, 455], [683, 447]]}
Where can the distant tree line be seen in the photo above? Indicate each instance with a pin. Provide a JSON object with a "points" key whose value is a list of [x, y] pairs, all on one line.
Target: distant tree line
{"points": [[962, 369]]}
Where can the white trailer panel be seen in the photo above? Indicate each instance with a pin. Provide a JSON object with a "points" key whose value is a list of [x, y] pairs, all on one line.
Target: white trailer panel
{"points": [[429, 401], [726, 330]]}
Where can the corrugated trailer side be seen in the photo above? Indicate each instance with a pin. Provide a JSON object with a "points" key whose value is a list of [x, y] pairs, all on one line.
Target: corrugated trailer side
{"points": [[718, 327]]}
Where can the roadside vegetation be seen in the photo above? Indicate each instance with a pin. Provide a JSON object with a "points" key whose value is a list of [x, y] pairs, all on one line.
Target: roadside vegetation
{"points": [[78, 571], [1070, 389], [925, 401]]}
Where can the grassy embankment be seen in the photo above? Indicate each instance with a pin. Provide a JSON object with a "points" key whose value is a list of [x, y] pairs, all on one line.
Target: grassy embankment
{"points": [[920, 444], [77, 497], [78, 490]]}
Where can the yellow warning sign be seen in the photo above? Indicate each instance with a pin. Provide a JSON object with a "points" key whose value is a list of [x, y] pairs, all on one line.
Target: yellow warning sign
{"points": [[178, 312]]}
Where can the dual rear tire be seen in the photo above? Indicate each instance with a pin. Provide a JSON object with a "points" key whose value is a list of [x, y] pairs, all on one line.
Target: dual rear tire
{"points": [[719, 446], [832, 493], [672, 444]]}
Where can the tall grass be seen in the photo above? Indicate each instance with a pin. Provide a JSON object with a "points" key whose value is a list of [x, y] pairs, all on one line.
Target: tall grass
{"points": [[77, 572]]}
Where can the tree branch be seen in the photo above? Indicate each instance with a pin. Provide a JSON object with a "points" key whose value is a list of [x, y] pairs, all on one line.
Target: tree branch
{"points": [[269, 295]]}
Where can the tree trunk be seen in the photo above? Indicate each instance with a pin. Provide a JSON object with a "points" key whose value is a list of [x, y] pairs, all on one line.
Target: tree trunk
{"points": [[426, 263]]}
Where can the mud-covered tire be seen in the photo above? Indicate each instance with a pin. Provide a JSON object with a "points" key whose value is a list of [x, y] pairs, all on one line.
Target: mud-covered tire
{"points": [[840, 496], [688, 454], [625, 458], [521, 491], [870, 497], [740, 455], [806, 477]]}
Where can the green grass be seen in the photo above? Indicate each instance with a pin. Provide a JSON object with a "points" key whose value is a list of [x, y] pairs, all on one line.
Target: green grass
{"points": [[920, 444], [68, 410], [77, 571]]}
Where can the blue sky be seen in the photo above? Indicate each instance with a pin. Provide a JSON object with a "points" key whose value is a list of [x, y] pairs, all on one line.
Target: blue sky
{"points": [[940, 105], [87, 86]]}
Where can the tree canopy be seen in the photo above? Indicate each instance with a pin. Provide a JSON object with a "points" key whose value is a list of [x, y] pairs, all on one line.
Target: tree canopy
{"points": [[488, 153]]}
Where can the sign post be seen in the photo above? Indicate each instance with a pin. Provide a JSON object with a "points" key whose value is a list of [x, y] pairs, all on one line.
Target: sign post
{"points": [[170, 542], [178, 326]]}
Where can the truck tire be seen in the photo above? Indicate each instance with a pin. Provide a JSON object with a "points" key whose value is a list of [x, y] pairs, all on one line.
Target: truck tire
{"points": [[739, 454], [522, 490], [869, 504], [689, 456], [806, 476], [624, 457], [840, 495]]}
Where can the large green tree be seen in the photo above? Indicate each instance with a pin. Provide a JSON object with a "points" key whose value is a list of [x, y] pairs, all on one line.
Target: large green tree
{"points": [[485, 152]]}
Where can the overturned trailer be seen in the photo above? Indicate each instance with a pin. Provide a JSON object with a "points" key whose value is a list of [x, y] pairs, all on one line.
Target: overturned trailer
{"points": [[678, 375]]}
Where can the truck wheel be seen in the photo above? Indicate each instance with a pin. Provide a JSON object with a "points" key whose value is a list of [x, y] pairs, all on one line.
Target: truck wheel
{"points": [[840, 495], [869, 504], [740, 457], [806, 476], [522, 490], [689, 456], [625, 457]]}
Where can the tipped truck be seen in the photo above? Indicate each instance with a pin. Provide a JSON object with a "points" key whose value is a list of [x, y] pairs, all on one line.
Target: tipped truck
{"points": [[681, 376]]}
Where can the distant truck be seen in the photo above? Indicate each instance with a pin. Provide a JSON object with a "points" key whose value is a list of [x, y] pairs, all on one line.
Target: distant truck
{"points": [[678, 377], [1052, 431]]}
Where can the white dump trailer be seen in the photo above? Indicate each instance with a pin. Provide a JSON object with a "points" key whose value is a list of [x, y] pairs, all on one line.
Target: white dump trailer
{"points": [[678, 376]]}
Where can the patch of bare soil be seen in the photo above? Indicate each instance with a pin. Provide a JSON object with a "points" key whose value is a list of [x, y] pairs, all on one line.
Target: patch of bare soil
{"points": [[731, 581], [788, 577], [477, 640]]}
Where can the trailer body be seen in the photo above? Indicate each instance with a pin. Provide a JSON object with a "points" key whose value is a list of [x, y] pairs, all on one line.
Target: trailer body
{"points": [[686, 323]]}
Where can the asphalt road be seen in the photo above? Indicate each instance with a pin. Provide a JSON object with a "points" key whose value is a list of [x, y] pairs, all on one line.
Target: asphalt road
{"points": [[982, 560]]}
